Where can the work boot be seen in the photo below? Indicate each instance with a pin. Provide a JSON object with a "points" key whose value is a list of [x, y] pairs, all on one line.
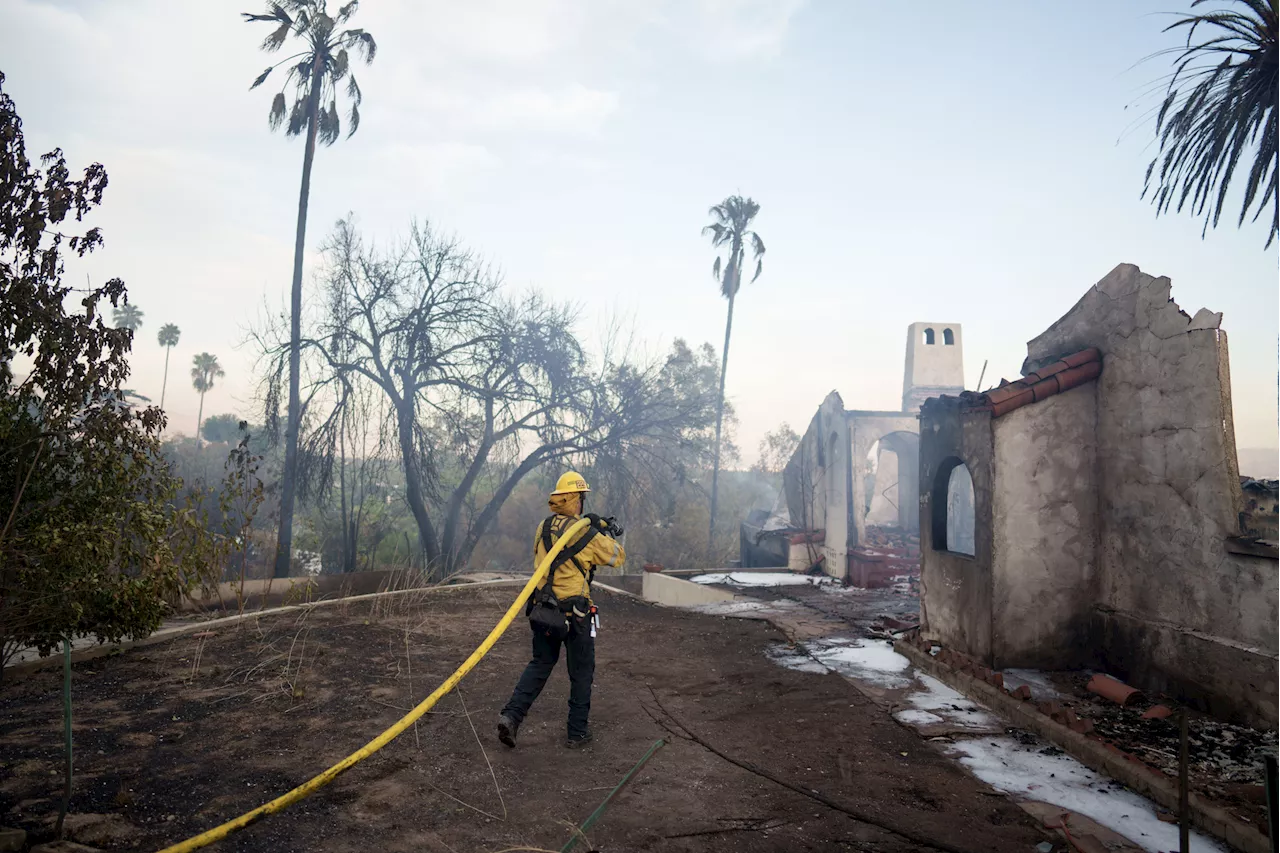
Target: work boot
{"points": [[578, 741], [507, 730]]}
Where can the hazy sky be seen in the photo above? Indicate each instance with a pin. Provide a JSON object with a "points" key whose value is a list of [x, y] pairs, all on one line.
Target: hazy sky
{"points": [[968, 163]]}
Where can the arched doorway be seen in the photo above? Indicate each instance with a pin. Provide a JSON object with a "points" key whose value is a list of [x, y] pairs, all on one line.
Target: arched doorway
{"points": [[952, 515], [891, 494]]}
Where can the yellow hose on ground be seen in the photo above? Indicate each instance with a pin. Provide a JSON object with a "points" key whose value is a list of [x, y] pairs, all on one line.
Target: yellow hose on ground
{"points": [[314, 784]]}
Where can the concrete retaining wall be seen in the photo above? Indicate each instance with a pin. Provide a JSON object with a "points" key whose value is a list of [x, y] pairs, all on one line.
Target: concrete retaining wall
{"points": [[677, 592]]}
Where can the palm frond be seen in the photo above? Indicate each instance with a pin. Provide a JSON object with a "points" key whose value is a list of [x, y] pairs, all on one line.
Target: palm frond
{"points": [[277, 37], [729, 283], [261, 78], [732, 227], [330, 126], [297, 117], [1215, 114], [715, 269], [318, 69], [369, 46], [345, 13], [353, 117], [276, 118]]}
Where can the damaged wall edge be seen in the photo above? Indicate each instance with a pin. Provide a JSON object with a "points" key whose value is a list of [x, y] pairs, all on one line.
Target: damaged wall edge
{"points": [[1109, 509]]}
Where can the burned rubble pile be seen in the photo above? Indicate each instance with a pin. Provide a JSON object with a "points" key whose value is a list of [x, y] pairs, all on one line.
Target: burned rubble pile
{"points": [[1225, 760], [890, 558]]}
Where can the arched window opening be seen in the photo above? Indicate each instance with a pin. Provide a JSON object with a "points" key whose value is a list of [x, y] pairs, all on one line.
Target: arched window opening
{"points": [[952, 509], [948, 337], [928, 336]]}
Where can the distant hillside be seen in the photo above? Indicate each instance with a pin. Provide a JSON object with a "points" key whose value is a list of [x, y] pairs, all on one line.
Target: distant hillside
{"points": [[1261, 463]]}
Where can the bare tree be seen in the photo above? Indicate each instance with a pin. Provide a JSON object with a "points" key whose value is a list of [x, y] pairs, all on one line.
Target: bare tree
{"points": [[481, 389]]}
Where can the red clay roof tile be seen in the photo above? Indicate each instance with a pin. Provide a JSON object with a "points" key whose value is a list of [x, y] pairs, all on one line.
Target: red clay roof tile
{"points": [[1062, 375]]}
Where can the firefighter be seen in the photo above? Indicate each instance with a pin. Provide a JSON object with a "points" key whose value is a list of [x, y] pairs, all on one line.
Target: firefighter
{"points": [[561, 612]]}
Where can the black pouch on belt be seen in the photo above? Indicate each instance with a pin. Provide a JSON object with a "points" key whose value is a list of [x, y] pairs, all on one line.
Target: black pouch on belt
{"points": [[546, 617]]}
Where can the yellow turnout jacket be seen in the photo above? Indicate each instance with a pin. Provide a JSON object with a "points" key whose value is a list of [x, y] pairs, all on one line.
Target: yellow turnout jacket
{"points": [[567, 581]]}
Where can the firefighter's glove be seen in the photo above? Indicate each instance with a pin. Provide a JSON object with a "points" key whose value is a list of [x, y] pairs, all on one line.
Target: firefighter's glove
{"points": [[608, 526]]}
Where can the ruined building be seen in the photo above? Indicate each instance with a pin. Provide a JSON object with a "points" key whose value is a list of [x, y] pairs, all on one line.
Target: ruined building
{"points": [[1109, 528], [858, 467]]}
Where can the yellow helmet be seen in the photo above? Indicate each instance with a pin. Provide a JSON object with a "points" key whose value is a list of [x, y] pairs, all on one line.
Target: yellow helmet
{"points": [[569, 483]]}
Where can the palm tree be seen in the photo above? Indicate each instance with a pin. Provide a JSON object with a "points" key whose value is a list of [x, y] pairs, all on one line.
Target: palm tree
{"points": [[732, 228], [168, 339], [128, 316], [204, 369], [1226, 106], [314, 73]]}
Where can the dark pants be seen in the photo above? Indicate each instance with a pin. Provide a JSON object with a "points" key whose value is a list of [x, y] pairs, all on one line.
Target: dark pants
{"points": [[580, 653]]}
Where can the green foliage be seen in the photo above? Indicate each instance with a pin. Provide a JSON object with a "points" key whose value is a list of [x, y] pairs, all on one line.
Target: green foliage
{"points": [[91, 539], [1220, 105], [223, 428]]}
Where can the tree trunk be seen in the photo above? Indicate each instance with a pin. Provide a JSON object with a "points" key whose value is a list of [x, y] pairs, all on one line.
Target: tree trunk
{"points": [[199, 419], [489, 514], [164, 385], [288, 482], [450, 534], [715, 469], [342, 485], [427, 541]]}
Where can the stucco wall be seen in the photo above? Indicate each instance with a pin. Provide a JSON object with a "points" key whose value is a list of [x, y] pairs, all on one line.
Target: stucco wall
{"points": [[956, 589], [932, 369], [1174, 610], [817, 480], [1045, 532]]}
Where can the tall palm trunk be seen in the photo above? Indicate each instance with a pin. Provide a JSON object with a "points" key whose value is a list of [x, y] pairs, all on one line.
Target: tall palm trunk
{"points": [[715, 469], [288, 483], [164, 385], [199, 419]]}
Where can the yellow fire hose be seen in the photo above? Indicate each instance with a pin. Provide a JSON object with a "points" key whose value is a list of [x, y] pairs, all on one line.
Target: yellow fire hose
{"points": [[317, 782]]}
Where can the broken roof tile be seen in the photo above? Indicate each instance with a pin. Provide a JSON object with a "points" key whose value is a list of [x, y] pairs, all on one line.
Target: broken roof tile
{"points": [[1062, 375]]}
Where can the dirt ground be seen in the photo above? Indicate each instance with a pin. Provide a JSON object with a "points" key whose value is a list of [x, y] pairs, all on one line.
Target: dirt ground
{"points": [[178, 737]]}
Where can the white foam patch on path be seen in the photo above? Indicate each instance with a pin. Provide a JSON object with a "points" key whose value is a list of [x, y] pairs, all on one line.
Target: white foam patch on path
{"points": [[914, 717], [954, 707], [872, 661], [789, 657], [1062, 781], [732, 608], [763, 579]]}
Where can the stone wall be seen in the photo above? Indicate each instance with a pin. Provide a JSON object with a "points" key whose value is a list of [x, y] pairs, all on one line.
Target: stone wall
{"points": [[1045, 520]]}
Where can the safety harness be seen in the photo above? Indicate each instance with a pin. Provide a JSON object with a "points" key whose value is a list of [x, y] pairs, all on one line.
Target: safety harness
{"points": [[546, 612], [569, 554]]}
